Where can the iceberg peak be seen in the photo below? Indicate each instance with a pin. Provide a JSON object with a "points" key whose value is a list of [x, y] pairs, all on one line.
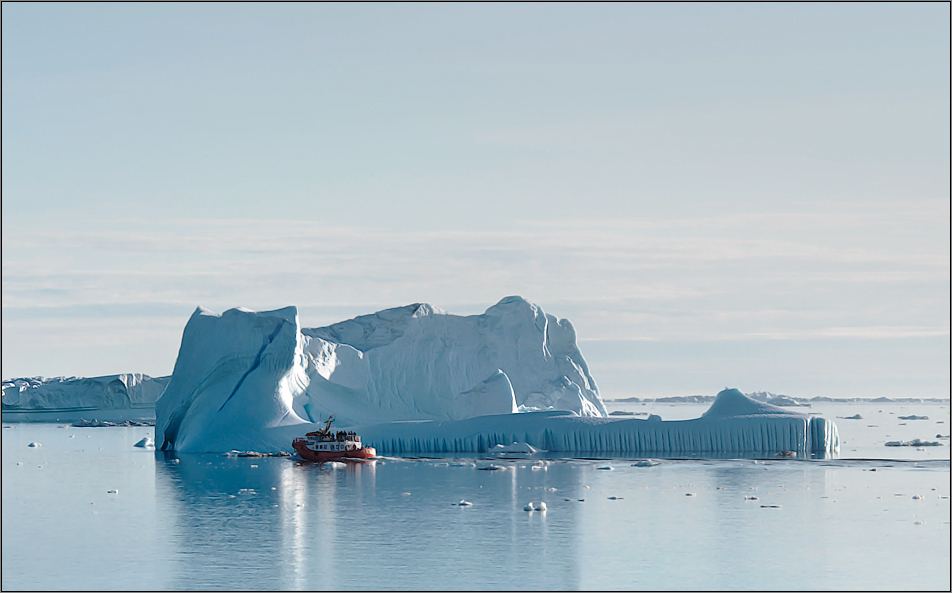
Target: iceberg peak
{"points": [[382, 328], [733, 403]]}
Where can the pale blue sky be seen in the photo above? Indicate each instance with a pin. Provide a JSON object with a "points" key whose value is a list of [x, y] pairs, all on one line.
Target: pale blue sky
{"points": [[730, 194]]}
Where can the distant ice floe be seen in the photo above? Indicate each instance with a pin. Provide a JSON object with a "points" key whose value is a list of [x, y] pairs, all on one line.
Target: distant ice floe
{"points": [[145, 442], [913, 443], [39, 397], [536, 506]]}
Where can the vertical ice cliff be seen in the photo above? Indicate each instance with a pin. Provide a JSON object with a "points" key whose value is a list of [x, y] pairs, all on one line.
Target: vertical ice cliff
{"points": [[234, 381]]}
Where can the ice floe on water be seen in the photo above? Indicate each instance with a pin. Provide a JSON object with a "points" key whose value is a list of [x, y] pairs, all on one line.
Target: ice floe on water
{"points": [[145, 442], [516, 448], [492, 467], [913, 443]]}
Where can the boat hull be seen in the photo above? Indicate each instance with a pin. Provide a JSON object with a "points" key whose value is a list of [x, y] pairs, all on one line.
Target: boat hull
{"points": [[310, 455]]}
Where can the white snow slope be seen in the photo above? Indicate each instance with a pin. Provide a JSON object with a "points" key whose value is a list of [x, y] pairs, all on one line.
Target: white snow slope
{"points": [[417, 379]]}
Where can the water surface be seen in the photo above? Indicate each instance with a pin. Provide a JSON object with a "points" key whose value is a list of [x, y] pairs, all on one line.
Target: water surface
{"points": [[215, 522]]}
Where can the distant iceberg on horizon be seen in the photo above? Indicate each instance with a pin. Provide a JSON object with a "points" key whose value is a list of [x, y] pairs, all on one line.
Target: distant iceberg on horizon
{"points": [[126, 396], [417, 379]]}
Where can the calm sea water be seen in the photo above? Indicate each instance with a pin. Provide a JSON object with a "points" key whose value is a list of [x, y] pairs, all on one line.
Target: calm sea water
{"points": [[876, 518]]}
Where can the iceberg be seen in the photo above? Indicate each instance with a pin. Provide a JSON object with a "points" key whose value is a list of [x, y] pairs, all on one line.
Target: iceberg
{"points": [[129, 395], [734, 424], [241, 374], [233, 383], [418, 379]]}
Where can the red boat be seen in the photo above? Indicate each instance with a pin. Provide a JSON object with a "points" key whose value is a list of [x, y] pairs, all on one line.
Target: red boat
{"points": [[323, 445]]}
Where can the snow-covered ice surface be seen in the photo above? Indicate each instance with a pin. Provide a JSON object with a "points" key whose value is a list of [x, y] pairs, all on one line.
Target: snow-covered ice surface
{"points": [[212, 521], [416, 379]]}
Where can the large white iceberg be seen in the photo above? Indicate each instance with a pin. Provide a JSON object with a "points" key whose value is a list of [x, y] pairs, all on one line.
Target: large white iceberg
{"points": [[416, 379], [244, 372]]}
